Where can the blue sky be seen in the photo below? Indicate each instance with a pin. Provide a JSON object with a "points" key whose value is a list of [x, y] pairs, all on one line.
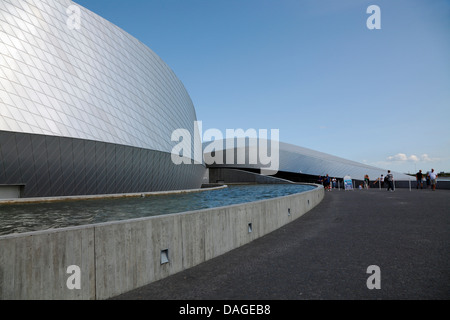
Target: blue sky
{"points": [[311, 69]]}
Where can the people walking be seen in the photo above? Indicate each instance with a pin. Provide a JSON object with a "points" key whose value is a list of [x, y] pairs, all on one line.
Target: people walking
{"points": [[366, 181], [419, 177], [433, 179], [327, 183], [390, 181]]}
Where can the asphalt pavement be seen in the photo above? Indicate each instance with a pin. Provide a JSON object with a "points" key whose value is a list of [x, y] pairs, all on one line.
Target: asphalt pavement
{"points": [[355, 245]]}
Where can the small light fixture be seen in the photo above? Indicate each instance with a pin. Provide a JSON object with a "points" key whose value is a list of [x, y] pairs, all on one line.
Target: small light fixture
{"points": [[250, 228], [289, 212], [164, 256]]}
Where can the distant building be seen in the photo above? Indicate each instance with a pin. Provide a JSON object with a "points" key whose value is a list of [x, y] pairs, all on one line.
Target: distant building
{"points": [[298, 164]]}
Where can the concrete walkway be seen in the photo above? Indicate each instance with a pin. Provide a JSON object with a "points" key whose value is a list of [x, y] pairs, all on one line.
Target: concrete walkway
{"points": [[325, 254]]}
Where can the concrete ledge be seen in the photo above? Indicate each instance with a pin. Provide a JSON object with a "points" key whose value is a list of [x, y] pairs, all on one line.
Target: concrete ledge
{"points": [[238, 176], [105, 196], [117, 257]]}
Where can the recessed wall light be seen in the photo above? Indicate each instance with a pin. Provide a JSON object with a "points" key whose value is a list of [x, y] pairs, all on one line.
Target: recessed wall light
{"points": [[165, 256]]}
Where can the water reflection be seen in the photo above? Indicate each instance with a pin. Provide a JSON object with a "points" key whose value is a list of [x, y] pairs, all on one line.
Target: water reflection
{"points": [[32, 217]]}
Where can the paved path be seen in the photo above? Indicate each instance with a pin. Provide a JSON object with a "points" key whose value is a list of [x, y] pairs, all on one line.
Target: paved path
{"points": [[325, 254]]}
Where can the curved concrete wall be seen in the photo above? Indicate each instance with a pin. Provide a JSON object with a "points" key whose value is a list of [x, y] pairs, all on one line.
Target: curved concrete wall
{"points": [[229, 176], [118, 257]]}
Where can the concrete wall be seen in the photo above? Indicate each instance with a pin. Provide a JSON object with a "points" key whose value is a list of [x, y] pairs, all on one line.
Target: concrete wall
{"points": [[34, 265], [226, 175], [9, 192], [120, 256]]}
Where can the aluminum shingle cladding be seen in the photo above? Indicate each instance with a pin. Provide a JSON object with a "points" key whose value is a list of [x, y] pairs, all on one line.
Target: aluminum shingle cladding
{"points": [[95, 83], [297, 159]]}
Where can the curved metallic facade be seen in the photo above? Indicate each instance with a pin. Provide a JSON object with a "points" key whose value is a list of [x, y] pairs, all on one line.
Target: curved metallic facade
{"points": [[299, 160], [86, 110]]}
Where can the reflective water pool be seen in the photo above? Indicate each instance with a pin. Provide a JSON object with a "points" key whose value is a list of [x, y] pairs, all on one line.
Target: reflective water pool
{"points": [[20, 218]]}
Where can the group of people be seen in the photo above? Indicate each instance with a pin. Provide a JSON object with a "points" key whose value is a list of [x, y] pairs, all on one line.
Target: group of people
{"points": [[387, 180], [328, 182], [430, 179]]}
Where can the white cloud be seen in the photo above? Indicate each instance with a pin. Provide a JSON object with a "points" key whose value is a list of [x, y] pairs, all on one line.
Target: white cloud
{"points": [[426, 158], [401, 157], [398, 157]]}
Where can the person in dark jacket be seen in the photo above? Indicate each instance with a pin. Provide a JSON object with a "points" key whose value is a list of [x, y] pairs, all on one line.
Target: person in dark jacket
{"points": [[390, 181], [419, 177]]}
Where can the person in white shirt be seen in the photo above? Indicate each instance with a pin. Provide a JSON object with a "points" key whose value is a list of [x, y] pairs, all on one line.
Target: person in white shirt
{"points": [[433, 178], [334, 182]]}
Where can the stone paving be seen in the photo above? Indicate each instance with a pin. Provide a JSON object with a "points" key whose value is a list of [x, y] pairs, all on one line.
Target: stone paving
{"points": [[325, 254]]}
